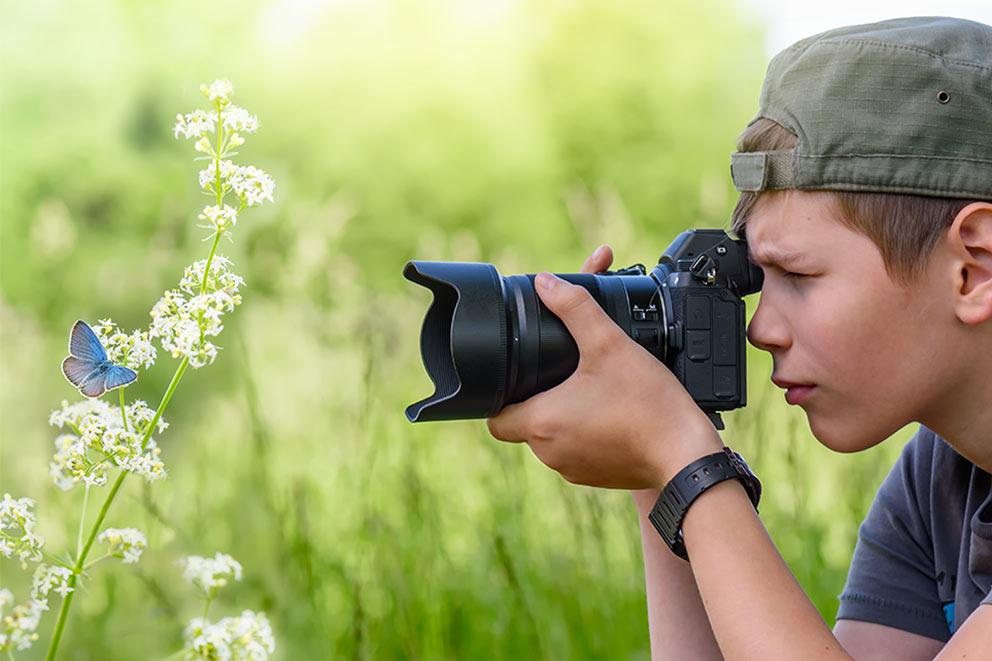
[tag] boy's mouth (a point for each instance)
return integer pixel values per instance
(798, 394)
(795, 393)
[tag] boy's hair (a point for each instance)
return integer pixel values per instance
(905, 228)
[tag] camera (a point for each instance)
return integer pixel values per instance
(487, 340)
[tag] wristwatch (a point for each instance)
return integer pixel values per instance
(670, 508)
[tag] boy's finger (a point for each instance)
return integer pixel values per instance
(587, 322)
(598, 260)
(511, 423)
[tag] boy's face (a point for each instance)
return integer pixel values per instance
(866, 343)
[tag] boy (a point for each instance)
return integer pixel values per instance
(866, 197)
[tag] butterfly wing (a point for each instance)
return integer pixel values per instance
(95, 384)
(83, 343)
(77, 370)
(118, 376)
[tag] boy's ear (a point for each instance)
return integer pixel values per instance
(970, 241)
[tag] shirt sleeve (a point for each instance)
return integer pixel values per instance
(891, 578)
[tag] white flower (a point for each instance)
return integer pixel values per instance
(99, 441)
(252, 185)
(195, 124)
(135, 351)
(17, 536)
(219, 279)
(182, 324)
(209, 574)
(203, 144)
(246, 636)
(71, 464)
(17, 630)
(208, 176)
(48, 578)
(71, 414)
(139, 416)
(220, 218)
(219, 90)
(126, 543)
(237, 120)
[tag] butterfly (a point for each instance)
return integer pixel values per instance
(87, 366)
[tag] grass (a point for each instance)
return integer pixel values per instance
(366, 537)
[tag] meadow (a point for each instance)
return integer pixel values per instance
(518, 133)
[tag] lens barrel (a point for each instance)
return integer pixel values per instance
(487, 340)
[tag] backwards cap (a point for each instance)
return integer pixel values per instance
(899, 106)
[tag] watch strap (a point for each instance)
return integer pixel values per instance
(673, 503)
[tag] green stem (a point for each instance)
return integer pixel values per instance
(81, 557)
(123, 412)
(93, 562)
(206, 269)
(206, 607)
(220, 146)
(82, 519)
(219, 190)
(203, 285)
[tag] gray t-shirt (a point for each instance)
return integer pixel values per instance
(923, 559)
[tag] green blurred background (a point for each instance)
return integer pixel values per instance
(518, 133)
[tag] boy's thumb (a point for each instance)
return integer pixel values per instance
(574, 305)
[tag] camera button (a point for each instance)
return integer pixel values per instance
(698, 345)
(725, 382)
(697, 310)
(647, 337)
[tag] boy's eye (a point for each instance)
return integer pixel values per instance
(790, 274)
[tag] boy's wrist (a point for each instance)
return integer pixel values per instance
(694, 446)
(644, 499)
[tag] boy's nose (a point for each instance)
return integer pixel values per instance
(766, 333)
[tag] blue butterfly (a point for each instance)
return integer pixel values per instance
(87, 366)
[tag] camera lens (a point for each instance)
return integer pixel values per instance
(487, 340)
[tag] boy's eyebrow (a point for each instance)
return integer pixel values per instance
(776, 257)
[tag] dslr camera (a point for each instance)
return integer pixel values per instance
(487, 340)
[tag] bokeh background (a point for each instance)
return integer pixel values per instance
(519, 133)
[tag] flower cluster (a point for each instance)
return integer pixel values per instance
(17, 536)
(17, 630)
(218, 132)
(246, 636)
(219, 218)
(125, 543)
(100, 441)
(96, 436)
(252, 185)
(220, 91)
(200, 123)
(249, 183)
(194, 124)
(209, 175)
(209, 574)
(134, 351)
(49, 578)
(183, 318)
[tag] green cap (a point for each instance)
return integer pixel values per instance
(899, 106)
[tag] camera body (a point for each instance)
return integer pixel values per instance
(488, 340)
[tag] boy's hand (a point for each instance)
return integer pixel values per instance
(621, 420)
